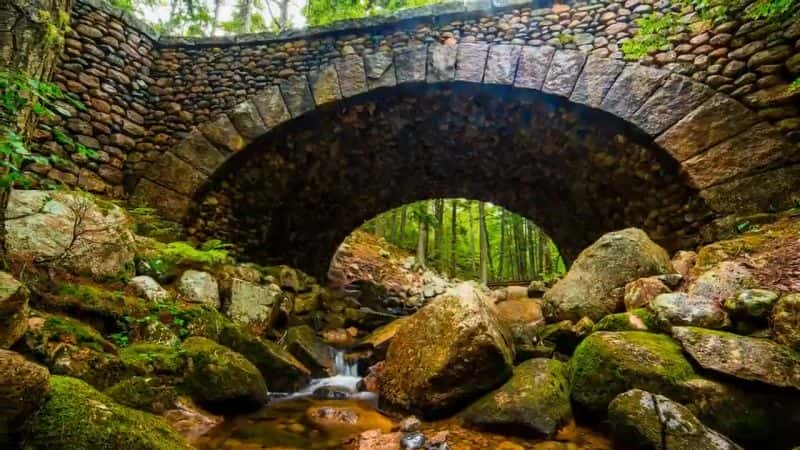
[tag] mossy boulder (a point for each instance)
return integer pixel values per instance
(534, 401)
(13, 310)
(76, 416)
(607, 364)
(751, 303)
(23, 389)
(221, 379)
(155, 359)
(722, 281)
(642, 420)
(154, 394)
(251, 304)
(203, 321)
(786, 321)
(70, 347)
(304, 344)
(640, 319)
(93, 303)
(282, 371)
(754, 418)
(595, 284)
(746, 358)
(449, 352)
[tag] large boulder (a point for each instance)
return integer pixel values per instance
(595, 284)
(519, 311)
(754, 418)
(78, 417)
(304, 344)
(747, 358)
(13, 310)
(607, 364)
(642, 420)
(72, 230)
(535, 400)
(679, 308)
(282, 371)
(786, 321)
(221, 379)
(251, 304)
(450, 351)
(23, 389)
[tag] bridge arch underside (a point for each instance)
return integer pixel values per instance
(295, 193)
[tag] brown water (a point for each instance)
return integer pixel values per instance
(286, 424)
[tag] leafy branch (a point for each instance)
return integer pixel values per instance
(46, 101)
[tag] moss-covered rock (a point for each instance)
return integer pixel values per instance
(751, 303)
(155, 359)
(642, 420)
(534, 401)
(203, 321)
(302, 342)
(786, 321)
(451, 351)
(76, 416)
(282, 371)
(221, 379)
(594, 286)
(755, 418)
(154, 394)
(607, 364)
(23, 389)
(93, 302)
(13, 310)
(639, 319)
(70, 347)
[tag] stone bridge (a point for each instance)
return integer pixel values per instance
(284, 144)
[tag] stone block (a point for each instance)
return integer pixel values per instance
(534, 63)
(271, 106)
(410, 64)
(297, 95)
(325, 85)
(631, 89)
(221, 132)
(247, 120)
(564, 70)
(501, 66)
(676, 98)
(379, 69)
(352, 75)
(196, 150)
(441, 62)
(596, 78)
(471, 61)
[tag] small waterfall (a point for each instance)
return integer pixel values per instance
(342, 367)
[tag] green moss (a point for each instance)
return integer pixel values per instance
(283, 372)
(76, 416)
(64, 329)
(154, 359)
(222, 379)
(606, 364)
(639, 319)
(203, 321)
(93, 301)
(154, 394)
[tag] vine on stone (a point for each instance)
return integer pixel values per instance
(19, 92)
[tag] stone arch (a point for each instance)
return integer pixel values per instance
(722, 148)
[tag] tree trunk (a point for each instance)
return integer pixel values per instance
(483, 247)
(247, 15)
(438, 236)
(422, 241)
(453, 230)
(472, 257)
(215, 23)
(502, 251)
(402, 232)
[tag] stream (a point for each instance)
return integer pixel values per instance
(330, 413)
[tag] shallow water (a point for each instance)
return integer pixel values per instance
(285, 424)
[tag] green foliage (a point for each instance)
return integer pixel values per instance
(795, 85)
(19, 93)
(211, 253)
(321, 12)
(652, 35)
(565, 39)
(523, 244)
(121, 339)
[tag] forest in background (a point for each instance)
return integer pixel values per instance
(469, 239)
